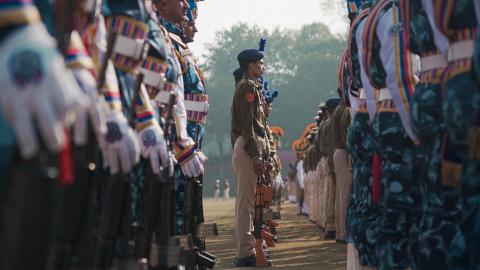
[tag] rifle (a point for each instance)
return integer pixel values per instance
(153, 245)
(114, 206)
(194, 226)
(72, 213)
(116, 201)
(258, 222)
(270, 223)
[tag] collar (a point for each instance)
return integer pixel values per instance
(171, 26)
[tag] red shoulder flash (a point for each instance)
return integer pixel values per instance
(250, 97)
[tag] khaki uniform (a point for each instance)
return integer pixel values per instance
(309, 182)
(343, 176)
(330, 177)
(322, 175)
(313, 184)
(249, 141)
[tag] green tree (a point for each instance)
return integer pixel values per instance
(301, 64)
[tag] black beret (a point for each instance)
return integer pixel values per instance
(332, 103)
(250, 55)
(238, 73)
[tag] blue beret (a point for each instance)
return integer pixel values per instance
(250, 55)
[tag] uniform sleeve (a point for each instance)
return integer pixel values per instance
(441, 41)
(399, 65)
(336, 127)
(318, 147)
(180, 111)
(95, 39)
(271, 142)
(248, 100)
(144, 113)
(370, 92)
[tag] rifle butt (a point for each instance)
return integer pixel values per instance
(260, 258)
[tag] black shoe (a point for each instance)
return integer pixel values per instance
(330, 235)
(249, 261)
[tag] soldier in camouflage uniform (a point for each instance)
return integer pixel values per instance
(392, 73)
(457, 21)
(439, 203)
(189, 129)
(362, 147)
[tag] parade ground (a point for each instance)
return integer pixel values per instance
(300, 246)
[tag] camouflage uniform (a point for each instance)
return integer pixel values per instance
(440, 204)
(361, 146)
(461, 98)
(398, 186)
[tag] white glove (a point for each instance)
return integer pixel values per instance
(193, 167)
(154, 147)
(172, 161)
(119, 146)
(36, 87)
(94, 112)
(202, 157)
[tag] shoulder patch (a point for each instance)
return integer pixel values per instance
(250, 97)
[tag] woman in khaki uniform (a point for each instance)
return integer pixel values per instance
(249, 140)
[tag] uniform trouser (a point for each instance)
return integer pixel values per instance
(27, 214)
(460, 102)
(342, 190)
(362, 212)
(323, 191)
(306, 201)
(180, 182)
(314, 196)
(440, 204)
(308, 196)
(292, 191)
(318, 181)
(399, 192)
(330, 200)
(353, 262)
(226, 194)
(246, 181)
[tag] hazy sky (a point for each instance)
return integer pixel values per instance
(215, 15)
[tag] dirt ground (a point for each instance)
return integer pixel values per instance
(301, 244)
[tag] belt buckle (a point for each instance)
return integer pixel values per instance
(450, 53)
(207, 108)
(137, 53)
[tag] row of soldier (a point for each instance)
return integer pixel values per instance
(410, 77)
(103, 114)
(322, 174)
